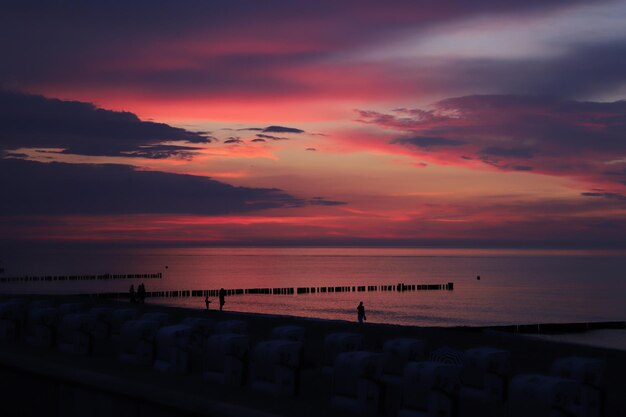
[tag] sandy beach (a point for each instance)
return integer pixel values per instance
(528, 355)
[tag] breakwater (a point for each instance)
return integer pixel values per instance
(400, 287)
(556, 328)
(101, 277)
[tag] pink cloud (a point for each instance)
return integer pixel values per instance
(583, 140)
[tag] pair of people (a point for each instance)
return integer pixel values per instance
(139, 296)
(222, 298)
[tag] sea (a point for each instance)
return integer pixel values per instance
(515, 286)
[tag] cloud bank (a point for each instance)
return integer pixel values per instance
(30, 121)
(542, 134)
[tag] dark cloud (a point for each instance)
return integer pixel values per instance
(311, 149)
(510, 152)
(613, 196)
(29, 121)
(233, 140)
(583, 70)
(273, 129)
(258, 140)
(426, 142)
(95, 43)
(321, 201)
(561, 137)
(282, 129)
(33, 188)
(262, 136)
(164, 152)
(13, 155)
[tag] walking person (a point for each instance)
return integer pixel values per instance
(132, 294)
(222, 296)
(207, 302)
(361, 312)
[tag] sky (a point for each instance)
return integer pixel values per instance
(405, 122)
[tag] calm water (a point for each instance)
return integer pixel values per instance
(515, 287)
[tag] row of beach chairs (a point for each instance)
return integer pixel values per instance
(403, 380)
(218, 350)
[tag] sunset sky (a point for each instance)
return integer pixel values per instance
(327, 122)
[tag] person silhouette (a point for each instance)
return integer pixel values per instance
(361, 312)
(132, 293)
(222, 296)
(141, 293)
(207, 301)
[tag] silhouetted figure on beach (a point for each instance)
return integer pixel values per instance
(222, 296)
(361, 312)
(132, 294)
(207, 301)
(141, 293)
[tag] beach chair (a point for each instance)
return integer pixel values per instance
(275, 367)
(12, 319)
(119, 316)
(163, 319)
(41, 304)
(589, 373)
(396, 354)
(70, 308)
(101, 330)
(225, 359)
(336, 343)
(172, 348)
(74, 335)
(137, 341)
(202, 328)
(289, 332)
(231, 326)
(356, 382)
(447, 354)
(484, 382)
(9, 327)
(541, 396)
(41, 328)
(430, 388)
(102, 319)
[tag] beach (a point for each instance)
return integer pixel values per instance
(190, 395)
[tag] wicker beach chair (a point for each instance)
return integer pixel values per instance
(430, 389)
(225, 359)
(356, 382)
(173, 348)
(137, 342)
(541, 396)
(484, 382)
(337, 343)
(275, 367)
(74, 334)
(590, 374)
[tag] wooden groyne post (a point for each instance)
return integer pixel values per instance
(101, 277)
(400, 287)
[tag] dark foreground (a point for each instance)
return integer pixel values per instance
(100, 376)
